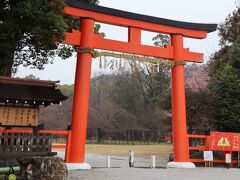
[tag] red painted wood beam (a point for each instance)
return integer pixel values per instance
(192, 56)
(214, 161)
(203, 148)
(58, 146)
(62, 132)
(133, 46)
(125, 22)
(72, 38)
(179, 122)
(198, 136)
(134, 35)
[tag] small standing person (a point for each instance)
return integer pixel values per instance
(131, 158)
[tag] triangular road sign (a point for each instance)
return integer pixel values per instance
(223, 142)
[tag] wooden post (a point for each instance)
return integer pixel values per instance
(81, 95)
(179, 123)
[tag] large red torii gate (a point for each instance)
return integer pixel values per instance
(85, 38)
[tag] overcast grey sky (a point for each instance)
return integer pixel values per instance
(201, 11)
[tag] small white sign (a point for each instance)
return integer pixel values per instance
(228, 158)
(208, 155)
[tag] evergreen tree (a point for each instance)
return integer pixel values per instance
(29, 30)
(225, 75)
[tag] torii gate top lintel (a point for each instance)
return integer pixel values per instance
(135, 23)
(73, 4)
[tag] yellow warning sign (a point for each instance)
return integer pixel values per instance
(223, 142)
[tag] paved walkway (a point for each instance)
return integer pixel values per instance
(156, 174)
(120, 171)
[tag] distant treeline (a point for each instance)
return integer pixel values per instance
(135, 102)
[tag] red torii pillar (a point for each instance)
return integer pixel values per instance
(179, 123)
(76, 151)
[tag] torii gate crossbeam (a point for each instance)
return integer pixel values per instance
(85, 38)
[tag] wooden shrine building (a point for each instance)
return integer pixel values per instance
(20, 100)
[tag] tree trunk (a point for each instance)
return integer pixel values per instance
(6, 63)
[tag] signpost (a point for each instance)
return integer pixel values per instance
(208, 158)
(227, 142)
(238, 158)
(228, 159)
(221, 141)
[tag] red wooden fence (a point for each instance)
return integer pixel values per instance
(208, 142)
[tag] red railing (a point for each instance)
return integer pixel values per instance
(67, 137)
(197, 147)
(206, 142)
(205, 147)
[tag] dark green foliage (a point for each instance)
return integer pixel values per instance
(91, 1)
(161, 40)
(67, 90)
(229, 31)
(154, 86)
(218, 60)
(225, 75)
(116, 104)
(129, 97)
(29, 30)
(31, 76)
(199, 107)
(225, 86)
